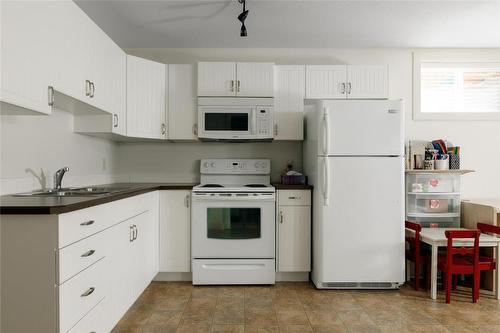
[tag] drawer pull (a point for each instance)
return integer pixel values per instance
(88, 253)
(292, 198)
(87, 223)
(88, 292)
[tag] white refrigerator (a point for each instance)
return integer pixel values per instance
(354, 156)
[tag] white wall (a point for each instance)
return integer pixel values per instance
(45, 144)
(179, 162)
(480, 140)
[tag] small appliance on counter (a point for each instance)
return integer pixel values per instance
(292, 177)
(233, 228)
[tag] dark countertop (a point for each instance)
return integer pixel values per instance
(11, 204)
(292, 187)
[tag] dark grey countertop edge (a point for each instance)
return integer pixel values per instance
(88, 202)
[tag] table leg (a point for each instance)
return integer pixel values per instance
(497, 275)
(434, 269)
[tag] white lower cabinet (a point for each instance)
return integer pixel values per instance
(78, 271)
(175, 231)
(293, 224)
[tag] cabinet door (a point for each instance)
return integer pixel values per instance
(326, 81)
(181, 102)
(146, 98)
(289, 93)
(121, 270)
(254, 79)
(175, 231)
(107, 72)
(216, 79)
(294, 238)
(144, 251)
(367, 82)
(26, 37)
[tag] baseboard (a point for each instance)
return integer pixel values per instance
(292, 276)
(187, 276)
(173, 276)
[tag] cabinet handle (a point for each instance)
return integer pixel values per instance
(238, 86)
(136, 232)
(88, 254)
(342, 88)
(87, 88)
(92, 89)
(163, 129)
(90, 222)
(349, 88)
(276, 129)
(88, 292)
(50, 92)
(232, 85)
(115, 120)
(195, 129)
(293, 198)
(131, 234)
(186, 200)
(281, 217)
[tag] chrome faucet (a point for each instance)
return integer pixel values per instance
(58, 176)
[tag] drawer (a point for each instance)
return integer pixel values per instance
(80, 294)
(82, 223)
(294, 197)
(74, 258)
(94, 321)
(233, 271)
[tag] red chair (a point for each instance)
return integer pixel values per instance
(414, 252)
(461, 260)
(487, 263)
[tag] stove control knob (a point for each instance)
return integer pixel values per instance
(212, 165)
(206, 164)
(257, 165)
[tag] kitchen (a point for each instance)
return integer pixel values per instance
(161, 153)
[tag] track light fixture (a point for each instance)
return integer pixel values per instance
(242, 17)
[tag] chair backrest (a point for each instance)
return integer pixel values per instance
(488, 228)
(414, 241)
(472, 252)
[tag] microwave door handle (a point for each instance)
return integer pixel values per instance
(254, 121)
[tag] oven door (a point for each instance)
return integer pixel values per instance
(232, 228)
(226, 122)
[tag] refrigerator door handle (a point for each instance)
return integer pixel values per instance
(326, 182)
(326, 131)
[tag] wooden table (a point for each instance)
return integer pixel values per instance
(435, 237)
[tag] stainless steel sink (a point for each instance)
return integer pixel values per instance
(73, 192)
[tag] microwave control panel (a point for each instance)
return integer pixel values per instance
(264, 121)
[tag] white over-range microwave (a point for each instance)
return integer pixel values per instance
(235, 119)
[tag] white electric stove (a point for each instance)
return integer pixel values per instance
(233, 229)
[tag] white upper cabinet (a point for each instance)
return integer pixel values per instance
(182, 111)
(226, 79)
(107, 72)
(254, 79)
(26, 69)
(346, 81)
(366, 82)
(216, 79)
(146, 98)
(289, 92)
(327, 81)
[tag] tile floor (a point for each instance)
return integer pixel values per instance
(298, 307)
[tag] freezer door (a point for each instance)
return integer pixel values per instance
(362, 226)
(361, 127)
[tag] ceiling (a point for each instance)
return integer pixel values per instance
(298, 24)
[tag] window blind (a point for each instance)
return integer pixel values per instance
(460, 87)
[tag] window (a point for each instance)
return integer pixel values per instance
(452, 88)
